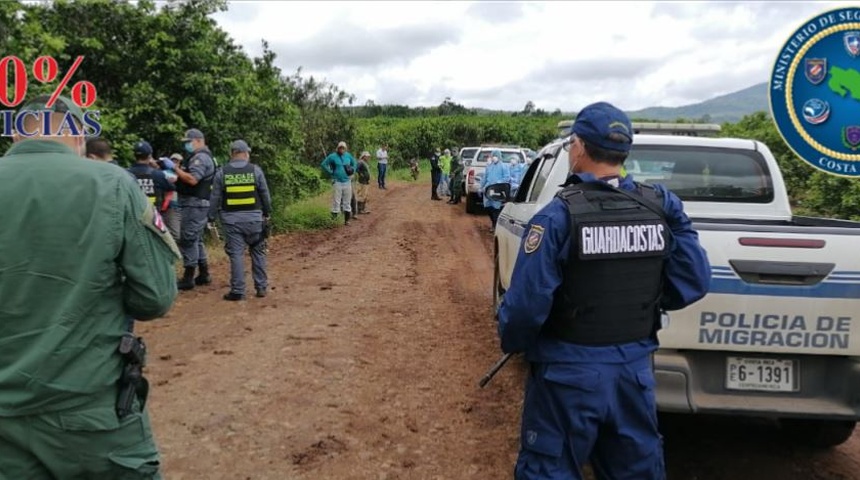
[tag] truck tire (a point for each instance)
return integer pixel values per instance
(818, 433)
(471, 203)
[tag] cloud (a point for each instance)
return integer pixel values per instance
(496, 12)
(358, 46)
(595, 69)
(243, 12)
(395, 92)
(502, 54)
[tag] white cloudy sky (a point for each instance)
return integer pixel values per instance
(500, 55)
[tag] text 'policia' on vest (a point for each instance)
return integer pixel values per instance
(613, 276)
(203, 188)
(240, 189)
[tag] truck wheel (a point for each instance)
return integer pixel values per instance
(471, 203)
(818, 433)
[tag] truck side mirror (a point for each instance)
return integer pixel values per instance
(500, 192)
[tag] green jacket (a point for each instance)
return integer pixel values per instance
(82, 249)
(445, 164)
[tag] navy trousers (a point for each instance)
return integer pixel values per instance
(605, 414)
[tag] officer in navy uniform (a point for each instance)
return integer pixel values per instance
(598, 265)
(152, 181)
(241, 195)
(194, 186)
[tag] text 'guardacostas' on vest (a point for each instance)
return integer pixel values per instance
(621, 239)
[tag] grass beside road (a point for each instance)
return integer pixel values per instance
(310, 214)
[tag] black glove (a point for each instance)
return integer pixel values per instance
(266, 228)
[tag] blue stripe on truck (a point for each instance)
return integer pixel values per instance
(736, 286)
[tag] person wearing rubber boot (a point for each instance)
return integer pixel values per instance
(241, 195)
(340, 167)
(194, 186)
(362, 183)
(586, 310)
(456, 180)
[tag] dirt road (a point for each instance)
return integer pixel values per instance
(363, 363)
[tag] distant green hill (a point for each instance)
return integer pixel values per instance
(725, 108)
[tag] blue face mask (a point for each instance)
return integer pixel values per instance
(188, 147)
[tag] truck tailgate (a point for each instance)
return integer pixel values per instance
(774, 290)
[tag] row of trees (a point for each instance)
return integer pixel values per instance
(162, 69)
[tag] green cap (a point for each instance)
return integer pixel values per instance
(61, 105)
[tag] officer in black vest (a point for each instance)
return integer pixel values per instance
(598, 266)
(152, 181)
(194, 186)
(241, 195)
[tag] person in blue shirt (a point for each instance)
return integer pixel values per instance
(496, 172)
(340, 167)
(518, 170)
(599, 264)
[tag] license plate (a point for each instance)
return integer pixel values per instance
(761, 374)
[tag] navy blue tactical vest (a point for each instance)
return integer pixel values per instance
(613, 277)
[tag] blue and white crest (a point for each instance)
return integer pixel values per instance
(816, 111)
(815, 70)
(852, 43)
(814, 92)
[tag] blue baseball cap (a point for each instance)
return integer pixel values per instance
(192, 134)
(597, 121)
(240, 146)
(142, 148)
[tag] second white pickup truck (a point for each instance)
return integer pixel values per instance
(776, 336)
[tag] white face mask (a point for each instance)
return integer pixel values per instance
(495, 159)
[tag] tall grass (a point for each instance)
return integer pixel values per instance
(310, 214)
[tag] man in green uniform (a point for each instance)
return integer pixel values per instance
(82, 248)
(456, 179)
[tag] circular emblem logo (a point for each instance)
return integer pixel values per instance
(815, 92)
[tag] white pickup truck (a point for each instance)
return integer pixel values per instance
(776, 335)
(474, 170)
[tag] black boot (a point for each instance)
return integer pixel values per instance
(346, 218)
(203, 278)
(334, 216)
(187, 281)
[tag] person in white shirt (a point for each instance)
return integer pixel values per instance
(382, 165)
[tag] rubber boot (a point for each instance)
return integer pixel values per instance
(187, 281)
(203, 278)
(346, 218)
(334, 216)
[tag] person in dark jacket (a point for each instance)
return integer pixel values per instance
(435, 173)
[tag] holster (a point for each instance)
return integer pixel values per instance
(131, 382)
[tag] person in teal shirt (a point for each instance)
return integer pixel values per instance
(340, 166)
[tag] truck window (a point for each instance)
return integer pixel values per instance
(468, 153)
(484, 156)
(541, 177)
(704, 174)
